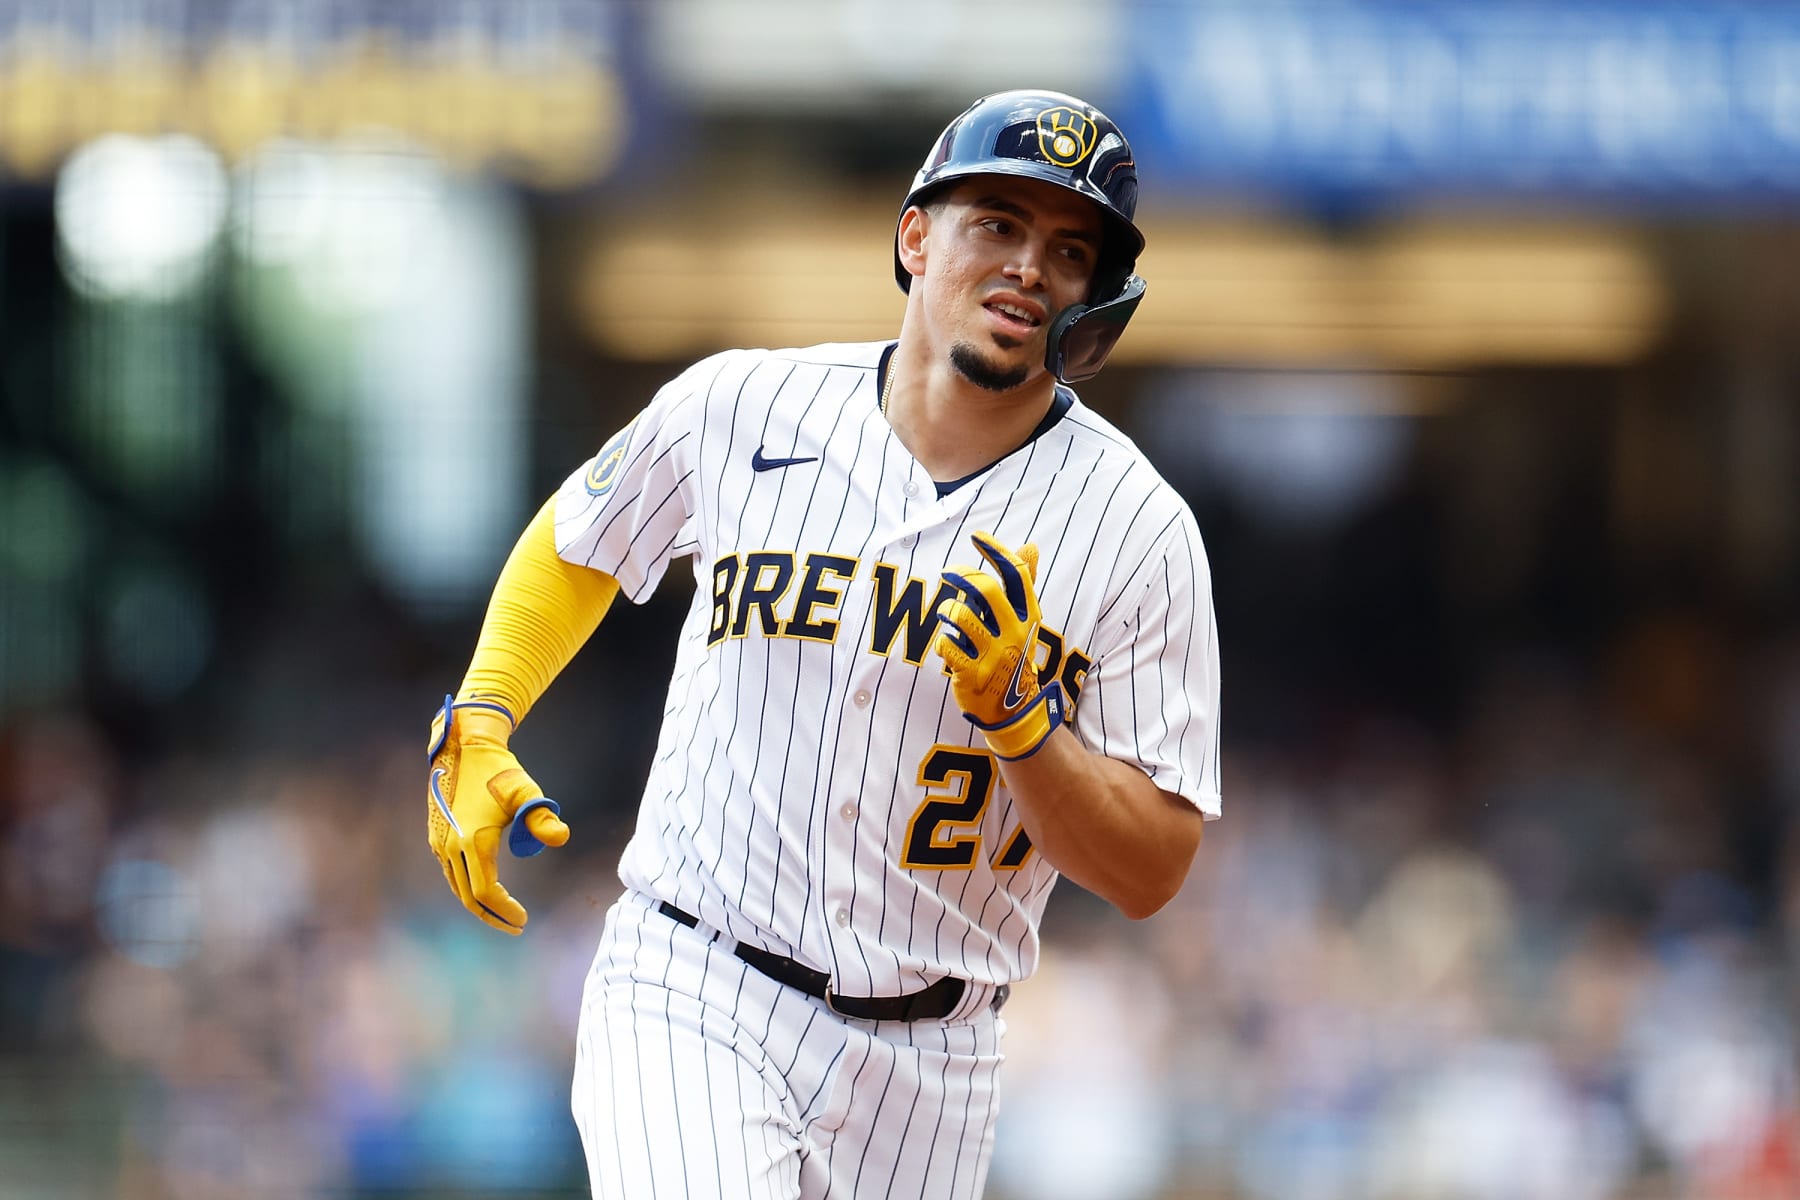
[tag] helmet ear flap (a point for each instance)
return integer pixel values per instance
(1083, 335)
(1116, 263)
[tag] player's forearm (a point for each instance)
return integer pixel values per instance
(542, 611)
(1104, 824)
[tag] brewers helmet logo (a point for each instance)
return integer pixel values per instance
(1065, 136)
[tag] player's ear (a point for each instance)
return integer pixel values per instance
(915, 224)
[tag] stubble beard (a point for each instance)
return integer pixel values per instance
(984, 374)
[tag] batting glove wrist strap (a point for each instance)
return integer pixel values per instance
(474, 724)
(1025, 732)
(476, 790)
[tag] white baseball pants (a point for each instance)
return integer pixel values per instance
(696, 1076)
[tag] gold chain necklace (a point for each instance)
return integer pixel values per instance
(887, 387)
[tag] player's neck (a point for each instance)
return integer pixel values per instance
(953, 427)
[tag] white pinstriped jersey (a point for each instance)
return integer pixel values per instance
(816, 790)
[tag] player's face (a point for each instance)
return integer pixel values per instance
(1005, 256)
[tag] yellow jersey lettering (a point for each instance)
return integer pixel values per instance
(906, 611)
(725, 574)
(767, 575)
(815, 593)
(1074, 674)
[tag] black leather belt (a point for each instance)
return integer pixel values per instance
(932, 1004)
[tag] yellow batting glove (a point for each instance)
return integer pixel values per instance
(987, 638)
(476, 789)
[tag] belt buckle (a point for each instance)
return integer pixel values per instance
(831, 1001)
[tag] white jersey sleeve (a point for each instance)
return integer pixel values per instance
(631, 508)
(1152, 695)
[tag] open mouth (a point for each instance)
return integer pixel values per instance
(1017, 317)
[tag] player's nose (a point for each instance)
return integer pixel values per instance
(1027, 265)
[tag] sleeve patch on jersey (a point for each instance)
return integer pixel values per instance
(609, 462)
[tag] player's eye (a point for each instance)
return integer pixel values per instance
(996, 225)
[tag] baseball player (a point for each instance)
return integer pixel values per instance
(951, 637)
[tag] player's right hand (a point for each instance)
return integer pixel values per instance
(475, 789)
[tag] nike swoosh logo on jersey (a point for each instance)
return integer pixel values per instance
(759, 463)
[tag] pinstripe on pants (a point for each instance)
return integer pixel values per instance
(697, 1076)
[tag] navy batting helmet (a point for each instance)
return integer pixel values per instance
(1070, 143)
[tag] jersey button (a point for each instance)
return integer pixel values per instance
(848, 811)
(910, 540)
(843, 916)
(861, 699)
(911, 489)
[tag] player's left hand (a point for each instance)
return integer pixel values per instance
(477, 788)
(987, 638)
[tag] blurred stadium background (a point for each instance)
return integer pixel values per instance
(1471, 337)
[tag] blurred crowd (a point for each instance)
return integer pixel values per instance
(246, 979)
(1545, 955)
(1548, 958)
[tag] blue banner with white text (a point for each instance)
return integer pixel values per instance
(1688, 103)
